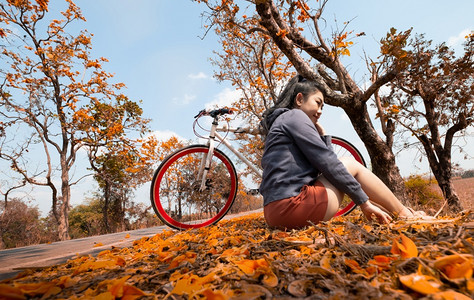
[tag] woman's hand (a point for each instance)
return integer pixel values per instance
(370, 211)
(320, 129)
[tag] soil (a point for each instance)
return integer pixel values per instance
(465, 190)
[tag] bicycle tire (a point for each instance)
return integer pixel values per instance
(344, 148)
(175, 187)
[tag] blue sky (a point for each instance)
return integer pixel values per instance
(155, 48)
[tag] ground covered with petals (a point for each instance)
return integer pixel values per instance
(346, 258)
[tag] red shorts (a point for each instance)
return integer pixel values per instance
(295, 212)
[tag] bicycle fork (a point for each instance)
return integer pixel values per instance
(207, 159)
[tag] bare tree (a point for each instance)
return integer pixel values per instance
(433, 99)
(47, 81)
(283, 23)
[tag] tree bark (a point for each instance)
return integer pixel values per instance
(441, 166)
(63, 226)
(105, 212)
(439, 155)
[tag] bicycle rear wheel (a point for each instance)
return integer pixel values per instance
(175, 189)
(345, 149)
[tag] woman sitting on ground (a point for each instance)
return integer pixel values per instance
(303, 180)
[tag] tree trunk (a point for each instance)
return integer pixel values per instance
(450, 195)
(439, 154)
(105, 210)
(63, 222)
(441, 166)
(63, 225)
(443, 174)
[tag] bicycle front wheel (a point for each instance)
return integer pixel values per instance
(345, 149)
(176, 194)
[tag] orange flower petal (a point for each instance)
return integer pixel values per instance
(404, 246)
(10, 292)
(421, 283)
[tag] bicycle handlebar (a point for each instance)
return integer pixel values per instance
(215, 112)
(220, 112)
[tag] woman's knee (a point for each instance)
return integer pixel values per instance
(334, 198)
(352, 165)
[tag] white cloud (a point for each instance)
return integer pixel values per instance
(225, 98)
(185, 100)
(457, 41)
(199, 75)
(166, 135)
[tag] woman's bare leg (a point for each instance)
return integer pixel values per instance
(377, 191)
(334, 198)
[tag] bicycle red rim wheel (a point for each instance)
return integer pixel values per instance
(165, 165)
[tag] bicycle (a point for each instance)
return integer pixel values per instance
(196, 186)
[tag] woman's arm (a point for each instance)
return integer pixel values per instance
(307, 138)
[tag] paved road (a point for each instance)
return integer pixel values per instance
(12, 261)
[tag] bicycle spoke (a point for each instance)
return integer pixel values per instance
(177, 195)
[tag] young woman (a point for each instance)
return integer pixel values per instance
(303, 180)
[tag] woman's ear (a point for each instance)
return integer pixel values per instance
(299, 99)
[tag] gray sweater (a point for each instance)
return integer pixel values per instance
(295, 155)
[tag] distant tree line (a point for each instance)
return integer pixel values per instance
(21, 223)
(467, 174)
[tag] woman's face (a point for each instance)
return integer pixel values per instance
(312, 105)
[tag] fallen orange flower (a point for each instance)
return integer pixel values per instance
(456, 265)
(40, 288)
(258, 267)
(404, 246)
(10, 292)
(423, 284)
(189, 284)
(450, 295)
(187, 257)
(355, 267)
(119, 288)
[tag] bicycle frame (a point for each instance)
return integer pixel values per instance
(214, 133)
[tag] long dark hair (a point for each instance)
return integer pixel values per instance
(297, 84)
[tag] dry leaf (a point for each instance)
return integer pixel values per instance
(456, 265)
(423, 284)
(10, 292)
(251, 291)
(404, 246)
(189, 284)
(255, 268)
(449, 295)
(298, 288)
(36, 289)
